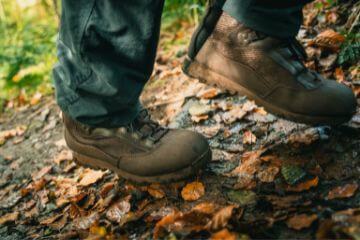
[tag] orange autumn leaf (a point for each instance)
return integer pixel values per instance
(304, 185)
(208, 93)
(221, 218)
(11, 217)
(329, 39)
(339, 75)
(65, 155)
(301, 221)
(155, 191)
(193, 191)
(90, 176)
(223, 235)
(343, 191)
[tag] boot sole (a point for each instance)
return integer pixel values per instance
(97, 164)
(194, 69)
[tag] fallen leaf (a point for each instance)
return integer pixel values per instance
(86, 222)
(155, 191)
(205, 207)
(11, 217)
(329, 39)
(199, 118)
(248, 167)
(223, 235)
(52, 219)
(199, 109)
(90, 176)
(249, 138)
(292, 173)
(221, 218)
(37, 175)
(227, 133)
(249, 106)
(304, 186)
(64, 155)
(339, 75)
(301, 221)
(343, 191)
(98, 230)
(208, 93)
(193, 191)
(261, 111)
(118, 210)
(268, 175)
(36, 99)
(242, 197)
(106, 189)
(233, 115)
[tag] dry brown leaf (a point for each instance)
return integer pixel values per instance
(304, 186)
(208, 93)
(64, 155)
(206, 208)
(50, 220)
(199, 118)
(85, 223)
(329, 39)
(343, 191)
(227, 133)
(32, 212)
(37, 175)
(249, 106)
(118, 210)
(233, 115)
(248, 167)
(193, 191)
(155, 191)
(106, 189)
(268, 175)
(339, 75)
(249, 138)
(90, 176)
(261, 111)
(11, 217)
(221, 218)
(301, 221)
(223, 235)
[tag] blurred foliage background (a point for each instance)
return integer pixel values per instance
(28, 30)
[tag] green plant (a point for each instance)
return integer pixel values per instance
(350, 50)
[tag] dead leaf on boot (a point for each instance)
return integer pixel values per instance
(343, 191)
(11, 217)
(193, 191)
(301, 221)
(90, 176)
(223, 235)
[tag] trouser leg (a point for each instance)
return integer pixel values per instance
(106, 52)
(277, 18)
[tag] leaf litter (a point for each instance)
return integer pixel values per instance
(267, 175)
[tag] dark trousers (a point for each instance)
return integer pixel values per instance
(107, 48)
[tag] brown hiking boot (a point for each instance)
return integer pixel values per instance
(142, 151)
(225, 53)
